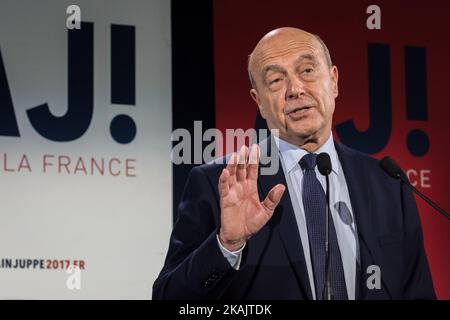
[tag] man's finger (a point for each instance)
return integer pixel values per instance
(232, 164)
(232, 167)
(253, 163)
(274, 197)
(241, 172)
(224, 187)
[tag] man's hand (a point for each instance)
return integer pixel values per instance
(242, 212)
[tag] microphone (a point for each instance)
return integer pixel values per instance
(324, 165)
(391, 167)
(394, 170)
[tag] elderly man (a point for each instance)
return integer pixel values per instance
(229, 244)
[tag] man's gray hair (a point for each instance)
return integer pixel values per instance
(318, 38)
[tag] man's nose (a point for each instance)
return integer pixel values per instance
(295, 88)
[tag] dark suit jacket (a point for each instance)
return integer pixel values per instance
(273, 264)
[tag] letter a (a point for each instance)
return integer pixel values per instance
(374, 20)
(374, 280)
(74, 280)
(74, 20)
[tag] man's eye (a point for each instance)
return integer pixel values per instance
(275, 81)
(308, 70)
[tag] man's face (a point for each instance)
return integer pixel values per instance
(295, 87)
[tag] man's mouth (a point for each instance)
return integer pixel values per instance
(298, 111)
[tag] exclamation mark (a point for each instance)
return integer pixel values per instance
(416, 98)
(123, 80)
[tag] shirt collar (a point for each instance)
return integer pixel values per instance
(292, 154)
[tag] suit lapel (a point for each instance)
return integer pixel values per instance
(283, 220)
(358, 188)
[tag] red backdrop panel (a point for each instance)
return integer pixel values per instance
(238, 25)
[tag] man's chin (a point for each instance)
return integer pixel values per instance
(304, 133)
(301, 137)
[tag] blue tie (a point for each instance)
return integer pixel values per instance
(314, 203)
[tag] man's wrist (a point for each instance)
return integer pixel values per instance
(231, 245)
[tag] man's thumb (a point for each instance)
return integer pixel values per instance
(274, 196)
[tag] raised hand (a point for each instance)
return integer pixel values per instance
(242, 212)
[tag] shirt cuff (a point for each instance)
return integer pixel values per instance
(233, 257)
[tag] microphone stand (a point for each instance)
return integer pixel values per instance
(403, 178)
(327, 291)
(393, 169)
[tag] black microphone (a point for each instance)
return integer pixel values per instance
(394, 170)
(324, 165)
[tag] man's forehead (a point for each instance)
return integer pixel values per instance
(297, 54)
(276, 47)
(299, 46)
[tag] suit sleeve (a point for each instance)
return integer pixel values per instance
(418, 282)
(195, 267)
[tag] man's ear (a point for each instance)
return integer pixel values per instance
(334, 78)
(255, 96)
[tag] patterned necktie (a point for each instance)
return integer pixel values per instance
(314, 203)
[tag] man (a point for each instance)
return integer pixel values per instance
(227, 244)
